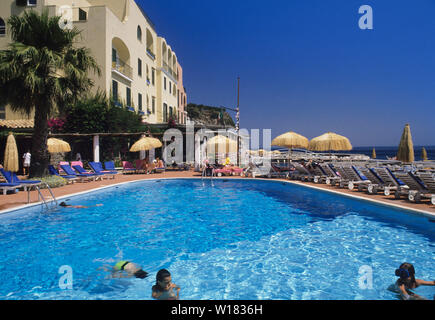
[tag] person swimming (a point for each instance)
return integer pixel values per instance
(65, 205)
(164, 288)
(407, 282)
(127, 269)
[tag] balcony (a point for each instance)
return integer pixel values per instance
(170, 72)
(123, 68)
(151, 54)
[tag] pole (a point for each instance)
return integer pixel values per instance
(238, 121)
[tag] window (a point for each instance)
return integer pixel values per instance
(174, 90)
(139, 67)
(165, 112)
(170, 112)
(23, 3)
(139, 101)
(115, 90)
(83, 16)
(139, 33)
(128, 97)
(2, 112)
(114, 56)
(153, 76)
(170, 87)
(164, 83)
(153, 104)
(2, 27)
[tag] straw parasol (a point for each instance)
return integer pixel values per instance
(406, 147)
(11, 154)
(222, 143)
(146, 143)
(290, 140)
(330, 142)
(424, 154)
(374, 154)
(57, 146)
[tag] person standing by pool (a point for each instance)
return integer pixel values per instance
(164, 288)
(407, 281)
(26, 162)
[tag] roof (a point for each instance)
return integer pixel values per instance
(17, 124)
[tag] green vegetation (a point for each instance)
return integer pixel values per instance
(207, 115)
(43, 70)
(52, 181)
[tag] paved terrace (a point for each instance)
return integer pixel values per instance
(19, 199)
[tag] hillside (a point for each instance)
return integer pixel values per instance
(207, 115)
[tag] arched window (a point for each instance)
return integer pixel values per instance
(2, 27)
(139, 33)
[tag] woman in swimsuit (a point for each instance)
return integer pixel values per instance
(164, 288)
(407, 281)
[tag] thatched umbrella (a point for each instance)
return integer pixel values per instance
(406, 147)
(11, 154)
(374, 154)
(221, 144)
(57, 146)
(145, 143)
(290, 140)
(424, 154)
(330, 142)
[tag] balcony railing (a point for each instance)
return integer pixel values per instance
(170, 71)
(123, 68)
(151, 54)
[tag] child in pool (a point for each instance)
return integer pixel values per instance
(164, 288)
(407, 281)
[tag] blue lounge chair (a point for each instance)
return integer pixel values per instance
(80, 170)
(69, 171)
(416, 187)
(5, 187)
(54, 172)
(11, 177)
(110, 166)
(97, 167)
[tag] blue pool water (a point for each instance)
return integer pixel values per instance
(226, 239)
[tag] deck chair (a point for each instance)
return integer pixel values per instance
(258, 171)
(140, 166)
(69, 179)
(391, 182)
(97, 167)
(376, 183)
(82, 177)
(127, 167)
(428, 179)
(358, 178)
(301, 173)
(5, 187)
(331, 174)
(416, 187)
(79, 169)
(12, 178)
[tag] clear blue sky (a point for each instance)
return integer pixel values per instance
(305, 65)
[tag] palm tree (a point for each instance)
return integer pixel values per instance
(43, 70)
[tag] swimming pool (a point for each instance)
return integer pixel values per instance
(221, 239)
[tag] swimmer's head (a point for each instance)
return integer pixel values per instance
(63, 204)
(406, 274)
(135, 270)
(163, 279)
(141, 274)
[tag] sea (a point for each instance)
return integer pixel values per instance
(383, 153)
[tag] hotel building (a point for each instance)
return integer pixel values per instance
(138, 66)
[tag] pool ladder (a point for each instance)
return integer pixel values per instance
(41, 196)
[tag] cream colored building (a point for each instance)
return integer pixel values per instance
(138, 66)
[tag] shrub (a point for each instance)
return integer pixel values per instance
(52, 181)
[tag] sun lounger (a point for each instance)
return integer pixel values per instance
(54, 172)
(391, 182)
(301, 173)
(127, 168)
(358, 178)
(5, 187)
(223, 171)
(82, 177)
(110, 166)
(331, 173)
(141, 166)
(428, 179)
(79, 169)
(417, 188)
(376, 183)
(11, 177)
(258, 171)
(97, 167)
